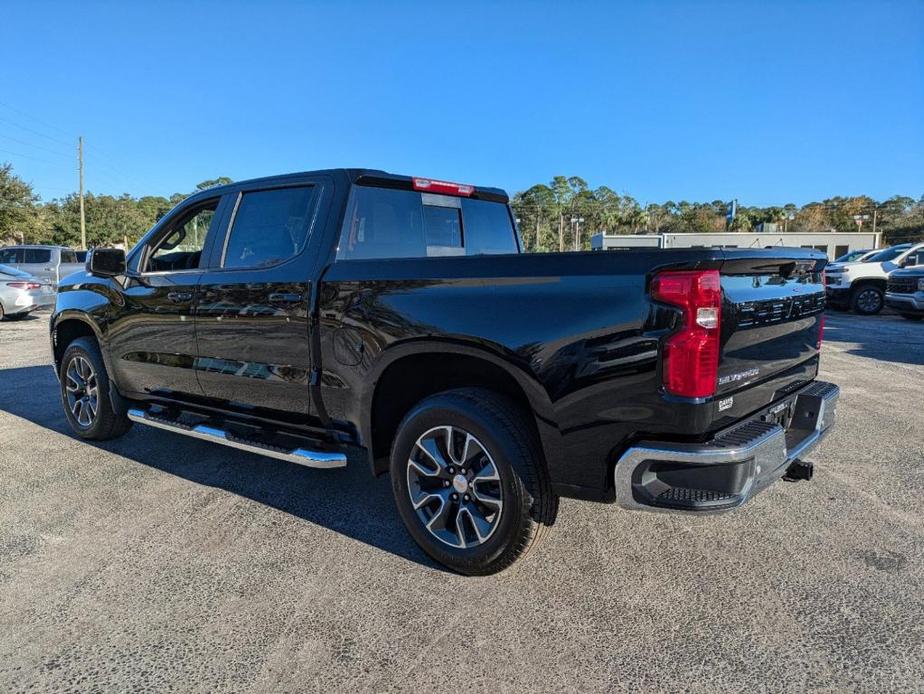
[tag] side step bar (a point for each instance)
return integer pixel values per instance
(300, 456)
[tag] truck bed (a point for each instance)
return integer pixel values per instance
(583, 337)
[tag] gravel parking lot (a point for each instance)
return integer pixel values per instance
(158, 562)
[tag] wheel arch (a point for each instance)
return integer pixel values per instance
(66, 327)
(405, 375)
(864, 281)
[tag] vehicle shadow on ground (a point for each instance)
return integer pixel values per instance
(349, 501)
(23, 319)
(883, 338)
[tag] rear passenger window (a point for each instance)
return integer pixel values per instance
(68, 257)
(270, 226)
(10, 256)
(389, 223)
(38, 255)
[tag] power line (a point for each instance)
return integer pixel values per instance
(34, 117)
(28, 156)
(31, 144)
(114, 174)
(103, 159)
(107, 162)
(34, 132)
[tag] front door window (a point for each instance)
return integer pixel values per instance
(180, 248)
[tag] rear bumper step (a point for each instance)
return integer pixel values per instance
(215, 434)
(737, 464)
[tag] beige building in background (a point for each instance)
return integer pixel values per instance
(832, 243)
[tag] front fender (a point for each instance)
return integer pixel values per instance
(86, 301)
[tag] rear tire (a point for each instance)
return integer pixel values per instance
(84, 386)
(911, 316)
(470, 482)
(867, 299)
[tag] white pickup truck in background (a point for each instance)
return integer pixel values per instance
(50, 263)
(861, 286)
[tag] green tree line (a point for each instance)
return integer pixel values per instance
(562, 214)
(109, 219)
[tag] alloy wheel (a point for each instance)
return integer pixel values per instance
(454, 486)
(82, 390)
(869, 300)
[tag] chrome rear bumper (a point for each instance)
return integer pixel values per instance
(737, 464)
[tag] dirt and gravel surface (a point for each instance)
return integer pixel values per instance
(162, 563)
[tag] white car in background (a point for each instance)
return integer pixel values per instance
(861, 286)
(22, 293)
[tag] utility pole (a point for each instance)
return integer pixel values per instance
(561, 231)
(875, 213)
(83, 220)
(576, 229)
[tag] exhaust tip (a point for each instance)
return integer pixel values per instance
(799, 470)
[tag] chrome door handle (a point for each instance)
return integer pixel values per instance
(179, 297)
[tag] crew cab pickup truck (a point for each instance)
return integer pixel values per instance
(861, 286)
(308, 316)
(48, 263)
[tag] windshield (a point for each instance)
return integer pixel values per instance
(848, 257)
(887, 254)
(13, 272)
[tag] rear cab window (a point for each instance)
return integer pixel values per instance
(37, 255)
(392, 223)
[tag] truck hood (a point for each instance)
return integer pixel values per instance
(855, 270)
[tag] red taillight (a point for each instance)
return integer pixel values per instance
(821, 331)
(24, 285)
(690, 366)
(428, 185)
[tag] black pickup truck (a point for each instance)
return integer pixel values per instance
(306, 316)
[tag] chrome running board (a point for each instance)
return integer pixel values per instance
(299, 456)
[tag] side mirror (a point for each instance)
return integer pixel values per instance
(106, 262)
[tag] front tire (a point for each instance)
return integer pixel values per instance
(867, 300)
(85, 393)
(469, 480)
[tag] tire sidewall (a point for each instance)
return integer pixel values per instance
(80, 347)
(437, 411)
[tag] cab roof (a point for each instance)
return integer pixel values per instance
(369, 177)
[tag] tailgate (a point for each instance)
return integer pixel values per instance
(772, 310)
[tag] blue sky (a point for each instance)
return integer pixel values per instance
(765, 102)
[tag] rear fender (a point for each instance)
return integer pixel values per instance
(537, 397)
